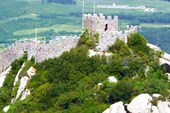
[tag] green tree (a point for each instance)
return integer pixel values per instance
(120, 47)
(122, 91)
(138, 43)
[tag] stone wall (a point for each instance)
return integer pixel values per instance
(40, 51)
(106, 27)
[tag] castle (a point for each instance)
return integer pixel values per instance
(99, 24)
(107, 28)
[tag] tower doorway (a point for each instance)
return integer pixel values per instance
(106, 27)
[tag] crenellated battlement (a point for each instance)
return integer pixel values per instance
(100, 24)
(40, 51)
(108, 29)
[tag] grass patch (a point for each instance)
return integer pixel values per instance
(56, 28)
(154, 25)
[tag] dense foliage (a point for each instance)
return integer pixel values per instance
(89, 39)
(69, 84)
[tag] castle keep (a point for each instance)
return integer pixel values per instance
(108, 29)
(100, 24)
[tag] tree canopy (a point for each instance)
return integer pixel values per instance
(69, 83)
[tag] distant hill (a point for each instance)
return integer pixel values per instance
(62, 1)
(167, 0)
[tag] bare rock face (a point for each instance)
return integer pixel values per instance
(25, 94)
(107, 110)
(31, 71)
(156, 95)
(164, 107)
(116, 108)
(6, 108)
(140, 104)
(3, 76)
(154, 109)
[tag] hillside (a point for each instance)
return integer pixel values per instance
(77, 82)
(19, 18)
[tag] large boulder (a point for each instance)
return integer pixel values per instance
(112, 79)
(140, 104)
(154, 109)
(116, 108)
(156, 95)
(163, 107)
(6, 108)
(107, 110)
(31, 71)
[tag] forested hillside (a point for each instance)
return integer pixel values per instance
(70, 83)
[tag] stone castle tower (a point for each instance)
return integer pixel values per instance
(107, 28)
(100, 24)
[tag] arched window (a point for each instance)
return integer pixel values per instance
(166, 67)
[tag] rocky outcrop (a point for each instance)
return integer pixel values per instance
(31, 71)
(17, 76)
(116, 108)
(6, 108)
(165, 58)
(25, 94)
(154, 109)
(156, 95)
(140, 104)
(156, 48)
(3, 76)
(22, 92)
(143, 103)
(23, 83)
(163, 107)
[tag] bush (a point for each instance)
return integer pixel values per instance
(138, 44)
(89, 39)
(122, 91)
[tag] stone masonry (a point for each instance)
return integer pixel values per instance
(107, 28)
